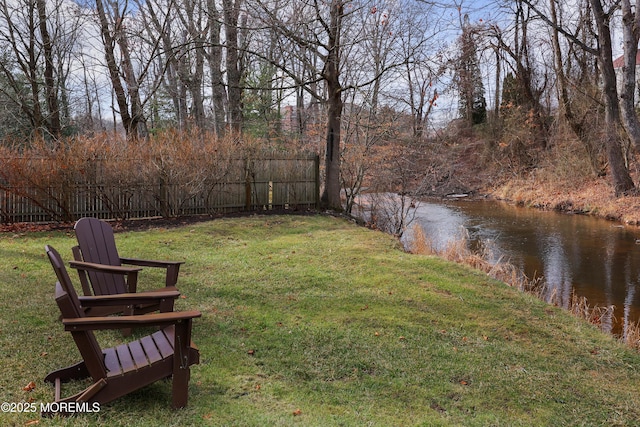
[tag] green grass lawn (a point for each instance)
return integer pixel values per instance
(314, 321)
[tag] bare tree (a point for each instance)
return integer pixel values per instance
(331, 75)
(30, 31)
(520, 59)
(613, 135)
(192, 16)
(214, 59)
(375, 119)
(576, 104)
(329, 38)
(49, 68)
(622, 181)
(631, 35)
(158, 19)
(124, 76)
(231, 14)
(194, 34)
(316, 28)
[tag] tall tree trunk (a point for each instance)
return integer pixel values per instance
(191, 59)
(622, 181)
(496, 97)
(331, 74)
(54, 127)
(37, 118)
(112, 66)
(218, 94)
(300, 112)
(138, 124)
(89, 100)
(63, 102)
(197, 98)
(525, 76)
(170, 80)
(231, 10)
(631, 35)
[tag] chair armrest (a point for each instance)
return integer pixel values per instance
(103, 268)
(150, 262)
(172, 267)
(120, 322)
(128, 298)
(86, 267)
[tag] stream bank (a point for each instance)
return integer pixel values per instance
(558, 185)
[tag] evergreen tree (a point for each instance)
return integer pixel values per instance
(472, 102)
(510, 92)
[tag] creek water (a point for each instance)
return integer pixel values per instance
(594, 258)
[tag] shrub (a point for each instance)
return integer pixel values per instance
(109, 175)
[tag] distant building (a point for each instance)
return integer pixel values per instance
(293, 118)
(618, 63)
(289, 118)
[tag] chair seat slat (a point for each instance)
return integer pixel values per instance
(151, 349)
(138, 354)
(124, 356)
(111, 362)
(163, 342)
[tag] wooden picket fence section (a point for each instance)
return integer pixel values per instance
(257, 184)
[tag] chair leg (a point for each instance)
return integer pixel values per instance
(128, 311)
(181, 371)
(180, 388)
(83, 396)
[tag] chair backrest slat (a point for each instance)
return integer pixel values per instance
(98, 245)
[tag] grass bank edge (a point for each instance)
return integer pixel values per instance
(318, 315)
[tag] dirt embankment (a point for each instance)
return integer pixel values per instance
(465, 168)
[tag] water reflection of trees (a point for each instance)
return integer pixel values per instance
(556, 269)
(576, 256)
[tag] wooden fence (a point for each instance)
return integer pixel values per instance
(256, 184)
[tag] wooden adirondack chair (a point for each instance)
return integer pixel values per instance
(120, 370)
(97, 246)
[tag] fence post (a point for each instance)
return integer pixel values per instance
(247, 185)
(163, 191)
(316, 165)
